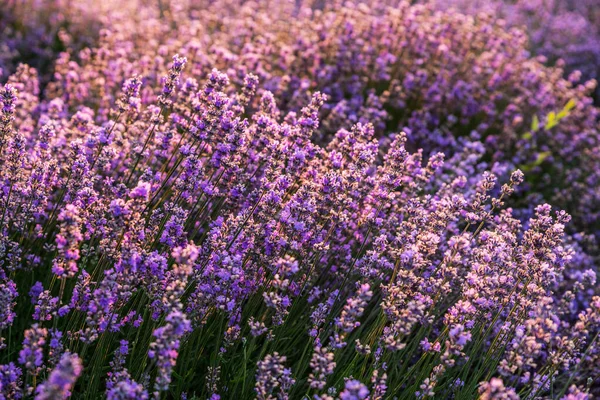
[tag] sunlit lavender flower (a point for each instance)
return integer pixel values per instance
(8, 97)
(127, 389)
(8, 295)
(164, 348)
(273, 380)
(322, 365)
(62, 378)
(10, 382)
(495, 389)
(353, 310)
(32, 354)
(130, 99)
(67, 242)
(171, 80)
(354, 390)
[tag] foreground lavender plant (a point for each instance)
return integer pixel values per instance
(61, 380)
(212, 225)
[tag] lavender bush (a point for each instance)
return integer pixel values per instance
(441, 77)
(279, 201)
(566, 32)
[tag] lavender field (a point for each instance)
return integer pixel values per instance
(312, 200)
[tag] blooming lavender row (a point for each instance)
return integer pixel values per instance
(263, 229)
(442, 77)
(563, 30)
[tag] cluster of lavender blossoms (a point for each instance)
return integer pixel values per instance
(566, 32)
(288, 200)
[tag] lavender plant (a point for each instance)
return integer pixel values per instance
(564, 31)
(210, 203)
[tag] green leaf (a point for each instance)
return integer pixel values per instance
(570, 105)
(562, 114)
(538, 161)
(535, 124)
(551, 122)
(565, 111)
(541, 157)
